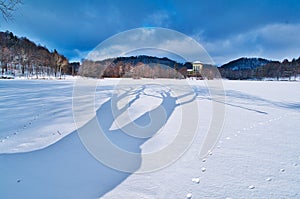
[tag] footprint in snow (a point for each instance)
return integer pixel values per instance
(196, 180)
(268, 179)
(203, 169)
(189, 196)
(251, 187)
(282, 170)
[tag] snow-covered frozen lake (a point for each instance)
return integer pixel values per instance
(256, 156)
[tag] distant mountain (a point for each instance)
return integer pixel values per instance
(245, 63)
(258, 68)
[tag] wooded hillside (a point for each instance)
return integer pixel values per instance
(20, 56)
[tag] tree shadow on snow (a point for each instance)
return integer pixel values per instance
(66, 170)
(246, 101)
(258, 101)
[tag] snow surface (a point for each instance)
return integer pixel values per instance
(257, 156)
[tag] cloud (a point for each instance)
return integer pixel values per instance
(158, 19)
(280, 34)
(160, 39)
(273, 41)
(245, 28)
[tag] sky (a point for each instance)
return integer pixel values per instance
(227, 29)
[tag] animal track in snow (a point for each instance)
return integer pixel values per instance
(237, 133)
(26, 125)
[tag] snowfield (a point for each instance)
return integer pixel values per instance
(256, 156)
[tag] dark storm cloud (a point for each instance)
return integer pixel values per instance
(227, 29)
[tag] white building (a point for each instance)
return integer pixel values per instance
(197, 66)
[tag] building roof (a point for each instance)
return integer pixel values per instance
(197, 62)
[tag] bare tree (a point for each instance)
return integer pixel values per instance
(7, 7)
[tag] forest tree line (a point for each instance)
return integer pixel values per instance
(132, 67)
(288, 70)
(22, 57)
(153, 67)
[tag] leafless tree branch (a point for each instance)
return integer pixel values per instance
(7, 7)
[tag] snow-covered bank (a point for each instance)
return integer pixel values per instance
(34, 114)
(257, 156)
(37, 113)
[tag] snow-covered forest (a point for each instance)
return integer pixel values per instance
(22, 57)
